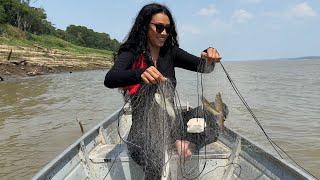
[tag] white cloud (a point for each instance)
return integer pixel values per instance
(210, 10)
(302, 10)
(242, 16)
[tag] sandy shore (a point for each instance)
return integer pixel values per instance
(25, 61)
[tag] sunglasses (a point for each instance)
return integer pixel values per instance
(160, 27)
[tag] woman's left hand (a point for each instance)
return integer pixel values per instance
(211, 55)
(184, 148)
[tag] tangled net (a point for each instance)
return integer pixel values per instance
(158, 120)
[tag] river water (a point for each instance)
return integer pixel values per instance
(38, 115)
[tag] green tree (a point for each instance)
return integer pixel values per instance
(36, 22)
(11, 10)
(3, 15)
(18, 13)
(83, 36)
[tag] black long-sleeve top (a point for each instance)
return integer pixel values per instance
(121, 74)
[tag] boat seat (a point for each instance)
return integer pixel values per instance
(109, 152)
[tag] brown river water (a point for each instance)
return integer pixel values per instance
(38, 114)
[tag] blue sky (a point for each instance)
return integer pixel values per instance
(239, 29)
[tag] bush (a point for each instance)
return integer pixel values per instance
(11, 31)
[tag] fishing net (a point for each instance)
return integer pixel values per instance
(159, 119)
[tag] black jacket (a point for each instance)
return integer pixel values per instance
(121, 75)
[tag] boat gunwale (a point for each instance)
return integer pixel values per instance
(46, 169)
(230, 136)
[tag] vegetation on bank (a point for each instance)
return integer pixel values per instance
(31, 45)
(15, 37)
(23, 25)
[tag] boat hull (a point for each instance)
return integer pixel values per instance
(100, 154)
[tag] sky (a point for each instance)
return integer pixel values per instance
(239, 29)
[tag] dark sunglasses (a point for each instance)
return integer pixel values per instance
(160, 27)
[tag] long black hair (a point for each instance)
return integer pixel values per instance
(136, 40)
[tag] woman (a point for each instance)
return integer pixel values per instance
(148, 58)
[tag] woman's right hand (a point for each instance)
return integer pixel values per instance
(152, 76)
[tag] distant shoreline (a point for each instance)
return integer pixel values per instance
(280, 59)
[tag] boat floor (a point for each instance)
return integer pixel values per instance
(212, 160)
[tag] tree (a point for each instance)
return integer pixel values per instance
(11, 10)
(83, 36)
(3, 15)
(18, 13)
(36, 22)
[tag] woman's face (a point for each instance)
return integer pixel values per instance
(159, 29)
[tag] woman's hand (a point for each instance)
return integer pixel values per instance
(152, 76)
(211, 55)
(184, 148)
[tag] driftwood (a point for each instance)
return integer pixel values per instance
(81, 126)
(39, 47)
(23, 62)
(9, 56)
(34, 73)
(46, 50)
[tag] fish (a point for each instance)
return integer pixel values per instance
(218, 109)
(165, 104)
(209, 107)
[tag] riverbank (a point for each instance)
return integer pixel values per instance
(20, 61)
(26, 54)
